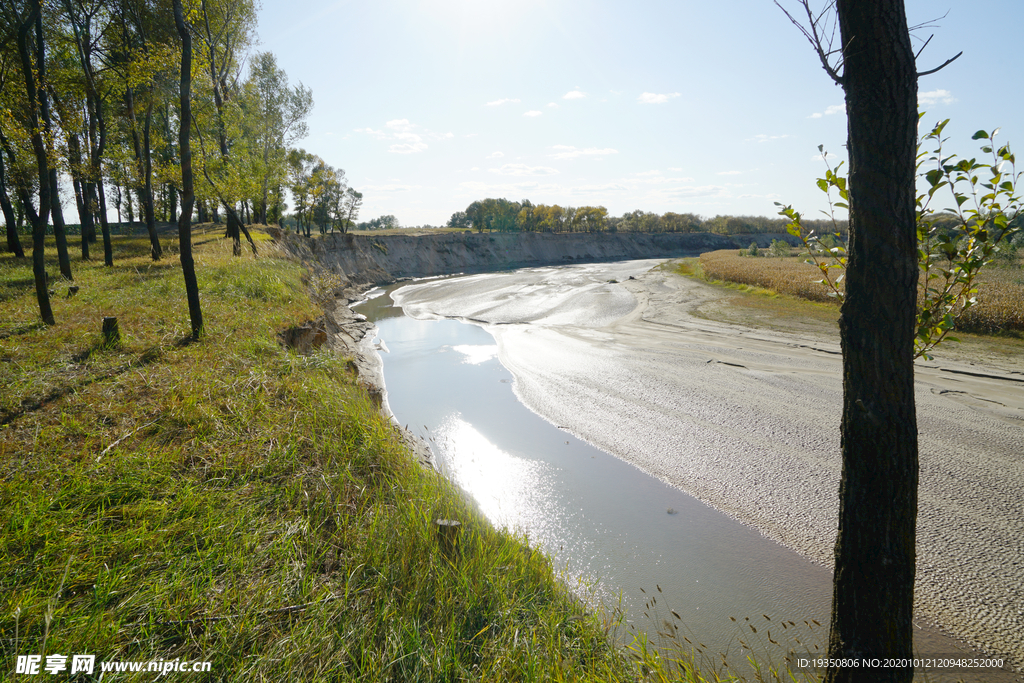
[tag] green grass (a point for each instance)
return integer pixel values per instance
(231, 501)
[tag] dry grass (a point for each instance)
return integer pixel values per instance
(1000, 306)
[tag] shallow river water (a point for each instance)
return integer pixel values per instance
(617, 535)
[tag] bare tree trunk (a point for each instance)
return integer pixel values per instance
(39, 219)
(77, 183)
(188, 192)
(98, 129)
(147, 197)
(143, 159)
(10, 219)
(129, 206)
(873, 597)
(59, 234)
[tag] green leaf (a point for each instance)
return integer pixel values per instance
(980, 135)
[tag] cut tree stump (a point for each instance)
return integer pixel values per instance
(448, 536)
(111, 334)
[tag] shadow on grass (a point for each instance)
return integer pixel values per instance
(29, 405)
(24, 329)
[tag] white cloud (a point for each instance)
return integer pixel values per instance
(524, 170)
(648, 173)
(533, 112)
(408, 148)
(836, 109)
(569, 152)
(765, 138)
(815, 115)
(408, 137)
(677, 170)
(574, 95)
(495, 155)
(729, 172)
(498, 103)
(935, 96)
(656, 98)
(553, 105)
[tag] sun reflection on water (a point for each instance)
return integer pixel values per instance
(512, 492)
(477, 354)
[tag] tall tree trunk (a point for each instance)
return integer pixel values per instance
(147, 196)
(10, 219)
(188, 186)
(97, 128)
(873, 594)
(77, 183)
(234, 224)
(91, 206)
(108, 248)
(59, 235)
(129, 207)
(40, 218)
(143, 161)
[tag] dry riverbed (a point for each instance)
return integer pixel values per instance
(654, 368)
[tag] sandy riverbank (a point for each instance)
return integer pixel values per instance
(747, 421)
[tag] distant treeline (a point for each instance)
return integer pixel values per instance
(502, 215)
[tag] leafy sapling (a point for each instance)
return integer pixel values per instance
(954, 243)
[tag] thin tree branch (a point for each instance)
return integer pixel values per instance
(924, 46)
(941, 66)
(813, 38)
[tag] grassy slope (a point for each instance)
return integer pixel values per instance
(232, 501)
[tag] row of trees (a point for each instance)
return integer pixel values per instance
(507, 216)
(122, 99)
(98, 79)
(321, 196)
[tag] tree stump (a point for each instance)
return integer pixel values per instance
(111, 334)
(448, 536)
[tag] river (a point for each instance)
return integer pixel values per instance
(618, 535)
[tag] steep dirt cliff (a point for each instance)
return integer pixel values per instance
(377, 259)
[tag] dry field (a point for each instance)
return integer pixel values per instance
(1000, 295)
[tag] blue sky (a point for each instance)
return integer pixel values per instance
(703, 107)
